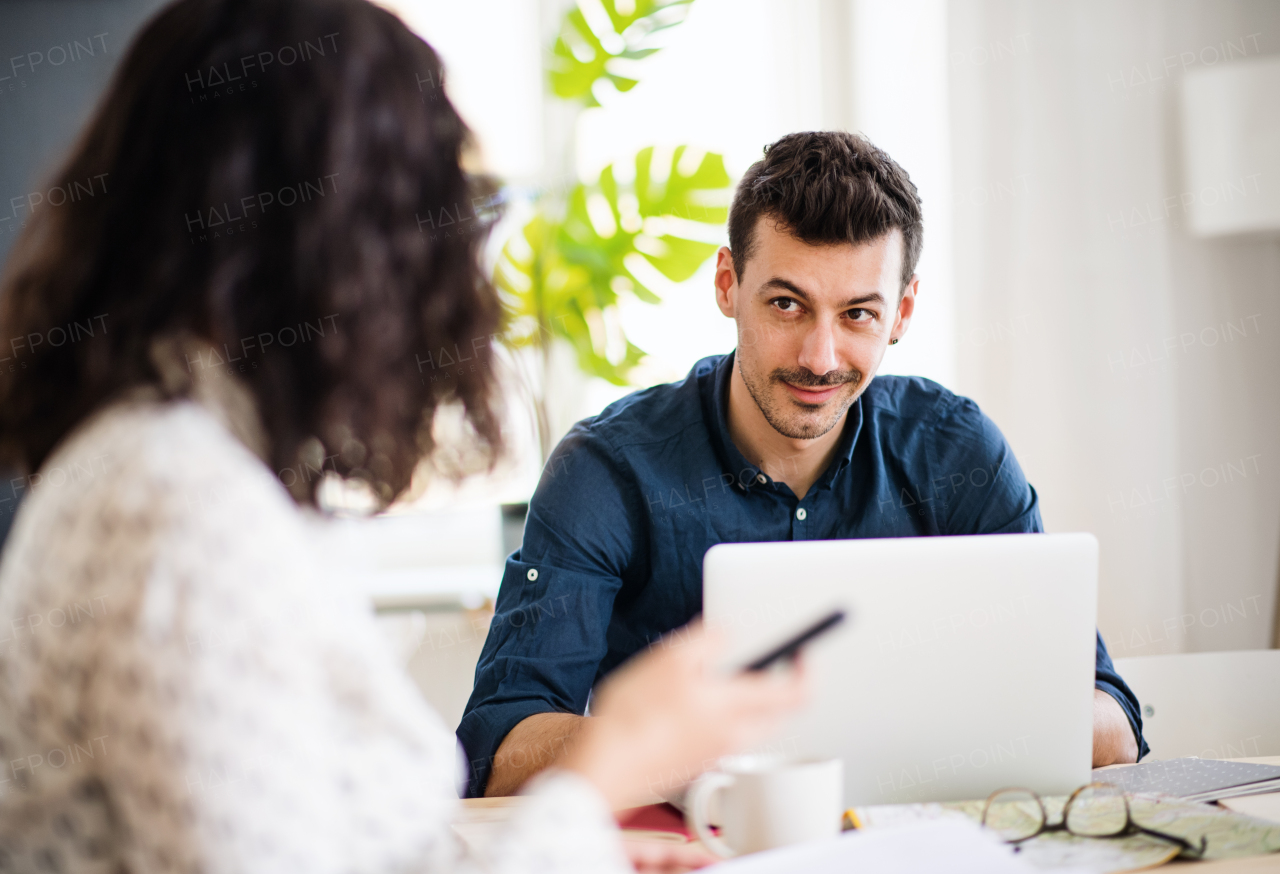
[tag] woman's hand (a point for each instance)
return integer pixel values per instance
(669, 714)
(665, 857)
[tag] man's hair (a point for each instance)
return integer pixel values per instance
(827, 187)
(341, 107)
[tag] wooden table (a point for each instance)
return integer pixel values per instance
(476, 811)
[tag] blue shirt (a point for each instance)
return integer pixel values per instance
(633, 498)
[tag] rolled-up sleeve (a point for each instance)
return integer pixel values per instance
(1106, 679)
(541, 655)
(550, 624)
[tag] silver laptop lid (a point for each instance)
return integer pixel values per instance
(967, 664)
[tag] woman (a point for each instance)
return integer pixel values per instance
(241, 303)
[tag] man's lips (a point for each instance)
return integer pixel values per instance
(813, 395)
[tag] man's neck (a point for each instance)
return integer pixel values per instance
(798, 463)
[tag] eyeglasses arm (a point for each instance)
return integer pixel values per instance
(1181, 842)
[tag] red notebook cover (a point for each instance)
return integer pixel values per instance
(654, 818)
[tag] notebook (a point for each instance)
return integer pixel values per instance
(654, 822)
(1194, 779)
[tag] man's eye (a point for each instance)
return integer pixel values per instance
(860, 315)
(786, 304)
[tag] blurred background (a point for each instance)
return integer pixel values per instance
(1101, 270)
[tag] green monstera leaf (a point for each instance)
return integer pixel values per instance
(600, 39)
(547, 296)
(564, 277)
(610, 223)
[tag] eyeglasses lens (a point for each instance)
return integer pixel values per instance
(1014, 814)
(1097, 810)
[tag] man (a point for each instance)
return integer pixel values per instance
(787, 438)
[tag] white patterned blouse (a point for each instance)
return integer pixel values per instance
(182, 688)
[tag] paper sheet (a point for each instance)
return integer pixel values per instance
(957, 847)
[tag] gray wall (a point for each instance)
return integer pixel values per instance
(49, 83)
(55, 61)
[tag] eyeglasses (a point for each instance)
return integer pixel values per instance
(1098, 810)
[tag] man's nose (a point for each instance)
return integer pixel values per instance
(818, 351)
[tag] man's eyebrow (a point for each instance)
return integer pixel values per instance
(781, 284)
(872, 297)
(786, 285)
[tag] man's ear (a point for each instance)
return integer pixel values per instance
(726, 282)
(906, 307)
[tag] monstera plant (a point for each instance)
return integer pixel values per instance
(564, 273)
(600, 39)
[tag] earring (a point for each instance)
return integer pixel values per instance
(893, 342)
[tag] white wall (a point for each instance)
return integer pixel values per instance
(899, 99)
(493, 66)
(1076, 292)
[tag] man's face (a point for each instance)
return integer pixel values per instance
(813, 323)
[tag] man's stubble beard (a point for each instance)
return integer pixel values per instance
(794, 426)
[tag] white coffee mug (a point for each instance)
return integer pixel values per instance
(767, 801)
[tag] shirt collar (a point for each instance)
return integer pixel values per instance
(715, 404)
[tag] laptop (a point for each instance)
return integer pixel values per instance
(966, 664)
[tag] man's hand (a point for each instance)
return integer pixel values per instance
(537, 742)
(1113, 740)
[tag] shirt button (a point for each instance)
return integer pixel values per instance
(760, 478)
(801, 514)
(532, 574)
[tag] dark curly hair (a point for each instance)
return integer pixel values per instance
(282, 180)
(827, 187)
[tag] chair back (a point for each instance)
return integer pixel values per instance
(1219, 705)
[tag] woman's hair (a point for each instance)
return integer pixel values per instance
(280, 179)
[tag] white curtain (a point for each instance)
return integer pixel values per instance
(1134, 368)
